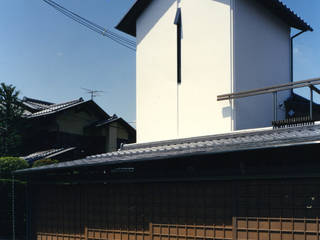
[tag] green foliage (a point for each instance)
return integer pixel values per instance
(10, 164)
(11, 121)
(43, 162)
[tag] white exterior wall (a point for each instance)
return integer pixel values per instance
(164, 109)
(206, 67)
(262, 58)
(156, 83)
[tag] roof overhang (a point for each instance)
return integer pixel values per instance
(242, 141)
(128, 22)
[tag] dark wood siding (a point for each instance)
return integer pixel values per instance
(192, 210)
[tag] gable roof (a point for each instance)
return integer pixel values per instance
(112, 119)
(48, 109)
(46, 154)
(34, 105)
(247, 140)
(128, 22)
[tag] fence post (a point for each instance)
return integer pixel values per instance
(12, 212)
(85, 233)
(150, 231)
(234, 228)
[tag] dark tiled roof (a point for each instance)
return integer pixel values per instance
(35, 104)
(214, 144)
(115, 118)
(107, 121)
(54, 108)
(128, 22)
(46, 154)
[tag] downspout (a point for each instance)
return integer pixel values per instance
(291, 55)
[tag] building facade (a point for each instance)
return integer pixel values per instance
(215, 183)
(223, 46)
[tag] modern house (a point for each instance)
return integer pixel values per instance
(71, 130)
(202, 168)
(188, 52)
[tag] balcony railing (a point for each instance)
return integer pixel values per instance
(274, 90)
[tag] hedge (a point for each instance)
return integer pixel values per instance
(10, 164)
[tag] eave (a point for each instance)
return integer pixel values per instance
(128, 22)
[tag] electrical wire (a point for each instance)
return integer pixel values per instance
(93, 26)
(119, 39)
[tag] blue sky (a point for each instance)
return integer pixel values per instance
(50, 57)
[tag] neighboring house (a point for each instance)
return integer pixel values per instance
(297, 106)
(72, 130)
(216, 183)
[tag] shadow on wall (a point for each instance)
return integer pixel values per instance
(226, 2)
(161, 7)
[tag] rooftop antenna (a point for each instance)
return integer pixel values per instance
(93, 93)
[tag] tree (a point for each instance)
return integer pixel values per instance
(11, 164)
(43, 162)
(11, 120)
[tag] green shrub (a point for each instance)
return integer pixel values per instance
(10, 164)
(43, 162)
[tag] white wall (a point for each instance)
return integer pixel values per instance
(206, 67)
(262, 58)
(164, 109)
(156, 72)
(227, 46)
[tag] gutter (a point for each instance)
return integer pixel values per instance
(291, 54)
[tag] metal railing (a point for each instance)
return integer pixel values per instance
(274, 90)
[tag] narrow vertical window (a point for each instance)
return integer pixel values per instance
(177, 21)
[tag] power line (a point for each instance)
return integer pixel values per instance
(89, 24)
(117, 38)
(93, 26)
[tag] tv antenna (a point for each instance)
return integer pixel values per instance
(93, 93)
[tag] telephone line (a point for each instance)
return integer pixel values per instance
(93, 26)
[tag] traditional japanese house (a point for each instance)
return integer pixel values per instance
(71, 130)
(203, 168)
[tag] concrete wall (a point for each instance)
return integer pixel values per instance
(166, 110)
(262, 58)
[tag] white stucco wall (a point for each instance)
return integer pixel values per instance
(156, 83)
(206, 67)
(164, 109)
(262, 58)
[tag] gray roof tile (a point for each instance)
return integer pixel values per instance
(46, 154)
(230, 142)
(56, 108)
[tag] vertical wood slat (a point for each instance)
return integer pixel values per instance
(234, 228)
(151, 230)
(85, 233)
(317, 222)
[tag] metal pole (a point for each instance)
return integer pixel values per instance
(311, 103)
(27, 212)
(275, 101)
(13, 217)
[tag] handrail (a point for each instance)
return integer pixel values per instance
(272, 89)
